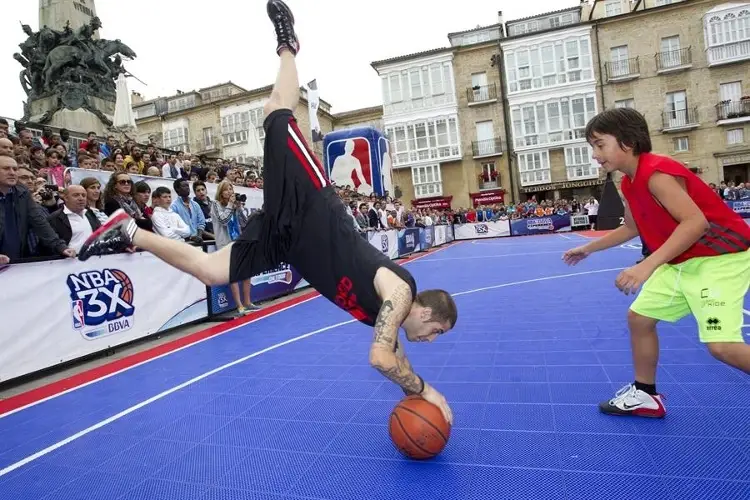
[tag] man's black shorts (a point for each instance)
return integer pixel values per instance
(292, 179)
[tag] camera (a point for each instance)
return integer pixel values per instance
(242, 198)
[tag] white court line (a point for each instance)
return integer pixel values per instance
(545, 278)
(103, 377)
(561, 235)
(161, 395)
(495, 255)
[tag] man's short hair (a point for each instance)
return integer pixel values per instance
(161, 191)
(442, 304)
(627, 125)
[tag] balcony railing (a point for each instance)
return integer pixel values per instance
(481, 94)
(672, 59)
(729, 53)
(680, 119)
(201, 145)
(624, 69)
(488, 147)
(730, 110)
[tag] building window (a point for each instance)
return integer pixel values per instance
(625, 103)
(727, 34)
(549, 64)
(553, 121)
(176, 139)
(181, 103)
(490, 177)
(681, 144)
(578, 163)
(235, 127)
(676, 109)
(427, 181)
(418, 87)
(613, 8)
(534, 168)
(432, 139)
(735, 136)
(670, 55)
(619, 64)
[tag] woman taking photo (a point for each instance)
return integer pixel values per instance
(229, 217)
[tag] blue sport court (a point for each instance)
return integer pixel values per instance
(287, 407)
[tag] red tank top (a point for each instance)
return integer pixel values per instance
(728, 232)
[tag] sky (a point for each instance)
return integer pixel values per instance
(184, 47)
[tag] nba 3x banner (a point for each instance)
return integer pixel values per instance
(66, 309)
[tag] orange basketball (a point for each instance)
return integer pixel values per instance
(418, 429)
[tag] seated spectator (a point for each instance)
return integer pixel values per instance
(6, 147)
(74, 223)
(119, 194)
(119, 160)
(107, 165)
(166, 222)
(141, 197)
(135, 158)
(20, 217)
(171, 170)
(202, 199)
(94, 200)
(189, 210)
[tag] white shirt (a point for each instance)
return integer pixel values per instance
(169, 224)
(593, 208)
(80, 228)
(166, 171)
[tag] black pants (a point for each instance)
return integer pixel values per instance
(292, 180)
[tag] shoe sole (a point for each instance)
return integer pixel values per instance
(624, 413)
(282, 7)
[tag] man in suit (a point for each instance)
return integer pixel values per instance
(73, 223)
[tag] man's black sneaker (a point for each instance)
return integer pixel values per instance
(283, 23)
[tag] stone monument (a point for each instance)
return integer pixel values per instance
(69, 73)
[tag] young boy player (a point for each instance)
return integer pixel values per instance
(700, 262)
(305, 224)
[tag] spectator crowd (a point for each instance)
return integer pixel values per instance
(42, 214)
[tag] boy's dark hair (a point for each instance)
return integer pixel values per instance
(143, 187)
(160, 191)
(627, 125)
(442, 304)
(198, 184)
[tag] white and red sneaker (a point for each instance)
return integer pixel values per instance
(632, 401)
(114, 236)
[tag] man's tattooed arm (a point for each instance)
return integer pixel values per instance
(383, 356)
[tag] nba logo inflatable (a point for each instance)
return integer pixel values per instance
(359, 158)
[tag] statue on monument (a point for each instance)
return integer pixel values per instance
(70, 66)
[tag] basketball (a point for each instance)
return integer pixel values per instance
(418, 429)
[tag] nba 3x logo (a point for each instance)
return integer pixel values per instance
(101, 302)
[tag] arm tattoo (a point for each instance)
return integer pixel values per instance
(402, 374)
(392, 313)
